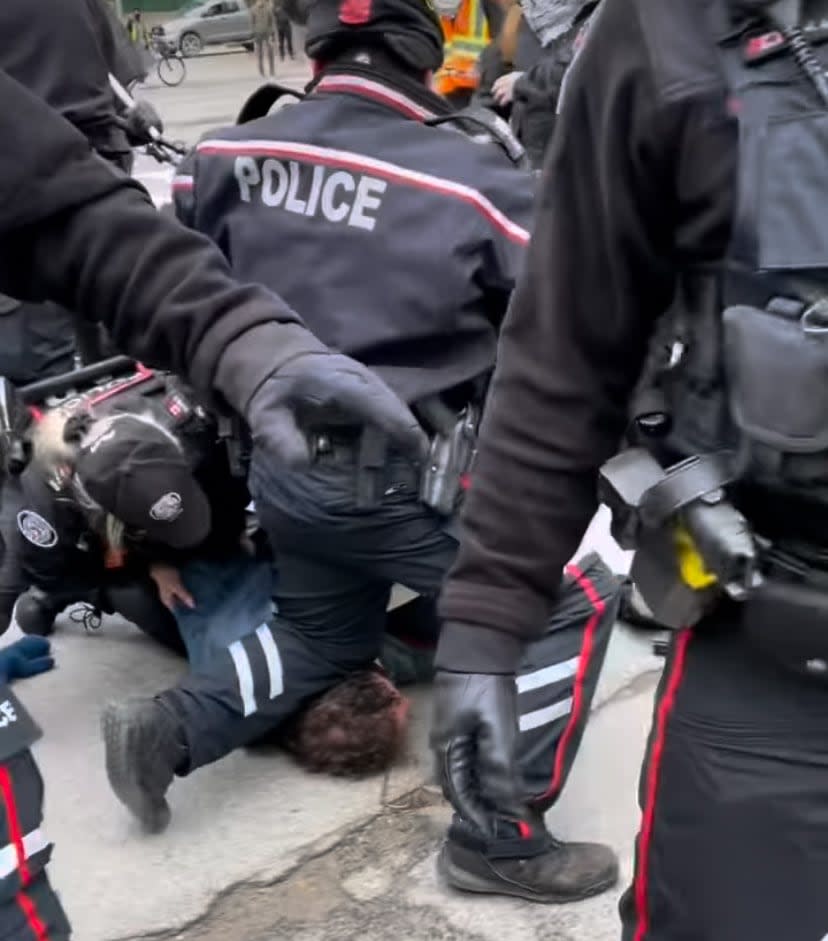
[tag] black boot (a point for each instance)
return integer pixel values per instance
(35, 612)
(145, 747)
(554, 872)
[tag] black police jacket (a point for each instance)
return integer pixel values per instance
(75, 230)
(64, 50)
(638, 184)
(398, 243)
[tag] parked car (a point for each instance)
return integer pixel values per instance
(208, 23)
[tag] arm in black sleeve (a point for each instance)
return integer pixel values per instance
(608, 238)
(512, 194)
(50, 531)
(75, 230)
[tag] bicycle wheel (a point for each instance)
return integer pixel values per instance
(171, 70)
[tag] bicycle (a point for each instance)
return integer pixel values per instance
(170, 65)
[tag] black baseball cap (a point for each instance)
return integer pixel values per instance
(137, 473)
(409, 28)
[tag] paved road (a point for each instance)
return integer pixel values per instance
(211, 96)
(258, 850)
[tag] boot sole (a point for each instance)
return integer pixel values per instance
(118, 736)
(467, 882)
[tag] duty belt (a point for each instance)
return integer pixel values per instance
(367, 450)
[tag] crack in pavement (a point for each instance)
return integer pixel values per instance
(345, 888)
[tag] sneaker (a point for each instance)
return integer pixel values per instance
(144, 747)
(566, 872)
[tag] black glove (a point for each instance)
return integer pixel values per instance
(25, 657)
(140, 121)
(473, 735)
(323, 380)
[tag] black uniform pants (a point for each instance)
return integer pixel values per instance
(733, 844)
(336, 567)
(337, 564)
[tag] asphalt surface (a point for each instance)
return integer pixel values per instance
(257, 849)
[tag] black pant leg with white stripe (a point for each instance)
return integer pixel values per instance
(558, 677)
(336, 566)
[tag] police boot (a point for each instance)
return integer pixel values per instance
(525, 861)
(35, 612)
(145, 746)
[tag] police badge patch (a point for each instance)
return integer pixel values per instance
(167, 508)
(38, 531)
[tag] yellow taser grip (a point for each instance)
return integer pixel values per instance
(691, 564)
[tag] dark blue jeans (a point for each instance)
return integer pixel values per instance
(233, 597)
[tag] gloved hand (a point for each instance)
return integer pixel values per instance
(473, 736)
(25, 657)
(140, 121)
(326, 380)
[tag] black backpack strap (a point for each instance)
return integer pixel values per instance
(499, 131)
(258, 105)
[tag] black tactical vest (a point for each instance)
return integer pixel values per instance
(741, 364)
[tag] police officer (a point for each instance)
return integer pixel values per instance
(168, 298)
(64, 50)
(167, 295)
(415, 232)
(651, 217)
(132, 506)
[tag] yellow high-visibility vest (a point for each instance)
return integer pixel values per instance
(466, 36)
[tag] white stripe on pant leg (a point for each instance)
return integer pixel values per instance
(547, 675)
(274, 661)
(242, 664)
(33, 843)
(534, 720)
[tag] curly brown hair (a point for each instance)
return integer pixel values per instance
(351, 730)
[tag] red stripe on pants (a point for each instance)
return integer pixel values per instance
(665, 708)
(587, 649)
(27, 906)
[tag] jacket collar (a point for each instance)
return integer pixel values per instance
(397, 92)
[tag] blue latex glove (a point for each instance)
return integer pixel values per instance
(25, 657)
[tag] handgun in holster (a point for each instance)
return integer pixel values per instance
(692, 546)
(451, 455)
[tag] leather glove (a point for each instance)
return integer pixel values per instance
(473, 736)
(140, 121)
(25, 657)
(321, 379)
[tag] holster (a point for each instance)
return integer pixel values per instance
(445, 473)
(786, 616)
